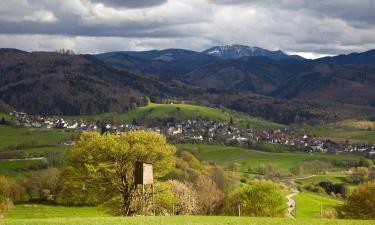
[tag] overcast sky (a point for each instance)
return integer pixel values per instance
(310, 28)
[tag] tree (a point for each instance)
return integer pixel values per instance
(360, 174)
(262, 198)
(185, 198)
(209, 196)
(361, 202)
(107, 162)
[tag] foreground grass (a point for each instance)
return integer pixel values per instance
(308, 205)
(158, 112)
(28, 211)
(184, 220)
(284, 160)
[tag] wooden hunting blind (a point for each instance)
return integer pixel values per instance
(143, 173)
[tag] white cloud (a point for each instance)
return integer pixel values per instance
(311, 28)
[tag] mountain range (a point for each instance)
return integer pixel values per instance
(269, 84)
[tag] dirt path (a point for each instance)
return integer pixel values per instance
(291, 202)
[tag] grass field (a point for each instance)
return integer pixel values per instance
(14, 168)
(343, 135)
(13, 136)
(286, 160)
(330, 177)
(28, 211)
(308, 205)
(183, 220)
(158, 112)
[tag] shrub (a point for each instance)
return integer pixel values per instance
(262, 198)
(361, 202)
(186, 199)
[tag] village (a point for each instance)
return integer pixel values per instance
(203, 131)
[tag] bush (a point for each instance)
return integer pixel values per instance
(360, 175)
(361, 202)
(186, 199)
(330, 188)
(209, 196)
(262, 198)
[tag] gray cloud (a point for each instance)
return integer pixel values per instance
(299, 26)
(131, 3)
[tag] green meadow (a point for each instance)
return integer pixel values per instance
(32, 211)
(13, 136)
(158, 112)
(16, 167)
(343, 135)
(308, 205)
(181, 220)
(246, 157)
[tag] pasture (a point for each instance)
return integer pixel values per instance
(343, 135)
(13, 168)
(32, 211)
(183, 220)
(308, 205)
(284, 160)
(15, 136)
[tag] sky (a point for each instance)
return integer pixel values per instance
(311, 28)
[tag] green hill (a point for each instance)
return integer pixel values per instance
(284, 160)
(156, 113)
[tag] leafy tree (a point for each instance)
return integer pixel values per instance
(209, 196)
(186, 199)
(360, 174)
(262, 198)
(361, 202)
(107, 162)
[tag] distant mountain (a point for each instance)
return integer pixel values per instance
(317, 80)
(53, 83)
(367, 57)
(237, 51)
(11, 50)
(167, 63)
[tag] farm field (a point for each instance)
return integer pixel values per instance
(156, 112)
(284, 160)
(308, 205)
(13, 136)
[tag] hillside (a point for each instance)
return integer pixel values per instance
(166, 63)
(55, 84)
(160, 113)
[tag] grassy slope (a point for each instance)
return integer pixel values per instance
(155, 112)
(11, 136)
(308, 205)
(185, 220)
(354, 135)
(287, 160)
